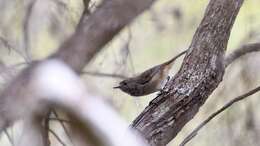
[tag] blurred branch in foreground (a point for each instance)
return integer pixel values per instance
(62, 87)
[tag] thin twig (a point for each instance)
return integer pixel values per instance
(60, 120)
(6, 43)
(10, 47)
(128, 49)
(125, 52)
(227, 105)
(99, 74)
(57, 137)
(46, 129)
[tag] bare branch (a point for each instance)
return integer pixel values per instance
(108, 20)
(225, 107)
(6, 43)
(60, 120)
(46, 128)
(63, 87)
(127, 49)
(10, 47)
(243, 50)
(99, 74)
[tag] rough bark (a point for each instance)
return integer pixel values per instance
(201, 72)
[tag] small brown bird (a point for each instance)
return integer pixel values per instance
(149, 81)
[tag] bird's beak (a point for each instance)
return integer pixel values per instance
(116, 87)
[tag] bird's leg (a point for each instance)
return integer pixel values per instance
(162, 90)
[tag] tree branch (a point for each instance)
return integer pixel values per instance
(225, 107)
(99, 74)
(94, 31)
(10, 47)
(57, 84)
(60, 120)
(243, 50)
(45, 130)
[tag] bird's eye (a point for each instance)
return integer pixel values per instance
(124, 83)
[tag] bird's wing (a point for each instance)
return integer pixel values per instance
(147, 75)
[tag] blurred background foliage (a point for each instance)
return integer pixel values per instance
(164, 30)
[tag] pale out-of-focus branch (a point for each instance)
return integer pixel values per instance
(55, 83)
(33, 133)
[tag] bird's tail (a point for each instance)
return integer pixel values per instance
(174, 58)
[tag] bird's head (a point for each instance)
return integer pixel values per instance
(123, 85)
(130, 86)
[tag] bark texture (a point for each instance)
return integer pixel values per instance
(201, 72)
